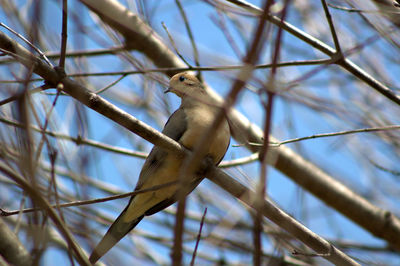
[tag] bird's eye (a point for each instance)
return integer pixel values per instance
(182, 78)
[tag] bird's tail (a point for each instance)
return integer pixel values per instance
(117, 231)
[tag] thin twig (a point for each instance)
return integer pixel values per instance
(111, 84)
(220, 21)
(174, 46)
(326, 49)
(77, 53)
(385, 169)
(355, 10)
(64, 34)
(331, 27)
(87, 202)
(42, 55)
(198, 237)
(19, 94)
(189, 31)
(181, 69)
(206, 68)
(323, 135)
(44, 128)
(81, 141)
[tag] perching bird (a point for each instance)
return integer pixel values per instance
(186, 125)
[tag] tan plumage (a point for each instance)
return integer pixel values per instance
(186, 125)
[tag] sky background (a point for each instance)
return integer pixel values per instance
(291, 119)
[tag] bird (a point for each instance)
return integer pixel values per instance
(186, 125)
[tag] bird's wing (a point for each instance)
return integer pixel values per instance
(174, 128)
(176, 125)
(229, 129)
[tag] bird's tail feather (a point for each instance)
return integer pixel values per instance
(115, 233)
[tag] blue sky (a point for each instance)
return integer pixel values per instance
(332, 155)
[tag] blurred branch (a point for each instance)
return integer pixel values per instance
(174, 46)
(333, 134)
(198, 237)
(81, 141)
(42, 202)
(82, 53)
(11, 249)
(280, 218)
(390, 9)
(64, 34)
(189, 32)
(332, 27)
(180, 69)
(269, 91)
(42, 55)
(328, 50)
(87, 202)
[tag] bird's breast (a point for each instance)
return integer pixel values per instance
(201, 119)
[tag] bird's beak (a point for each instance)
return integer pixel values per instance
(168, 90)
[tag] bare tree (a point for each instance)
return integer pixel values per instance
(310, 89)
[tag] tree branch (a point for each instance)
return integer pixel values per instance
(11, 249)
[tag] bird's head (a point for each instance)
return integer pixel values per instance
(185, 84)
